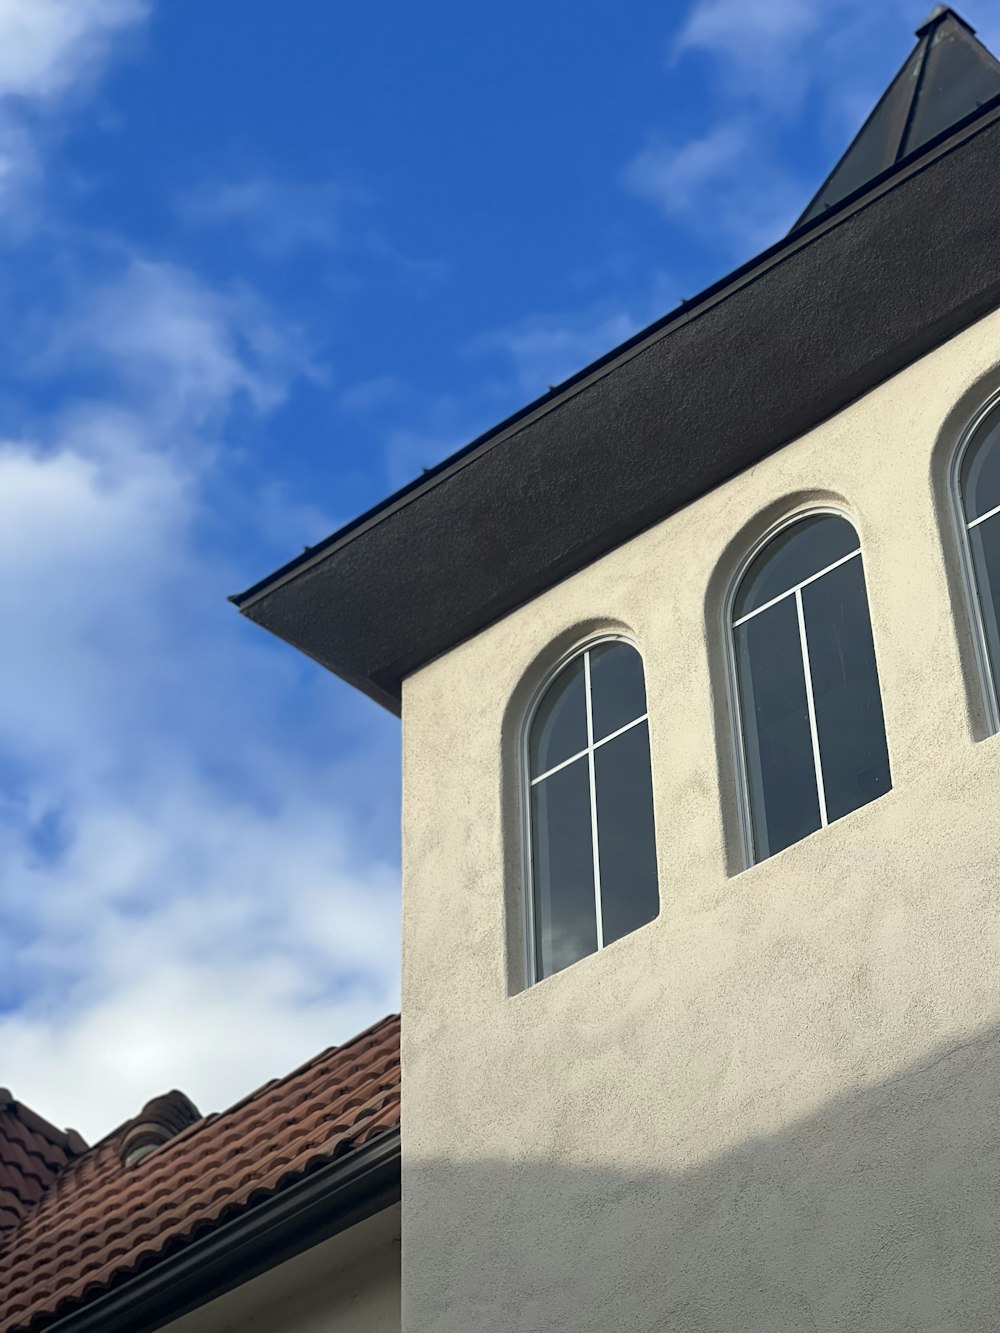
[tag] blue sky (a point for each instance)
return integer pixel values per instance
(259, 264)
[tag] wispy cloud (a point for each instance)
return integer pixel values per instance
(186, 346)
(49, 50)
(371, 394)
(544, 349)
(772, 53)
(279, 217)
(517, 363)
(50, 46)
(283, 219)
(776, 49)
(721, 185)
(181, 900)
(738, 180)
(184, 894)
(773, 50)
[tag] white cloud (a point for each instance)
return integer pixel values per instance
(758, 41)
(49, 46)
(189, 938)
(719, 185)
(49, 49)
(773, 52)
(544, 350)
(279, 216)
(20, 167)
(283, 219)
(739, 179)
(733, 25)
(184, 346)
(182, 898)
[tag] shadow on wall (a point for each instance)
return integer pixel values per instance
(878, 1213)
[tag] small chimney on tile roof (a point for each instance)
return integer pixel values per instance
(157, 1123)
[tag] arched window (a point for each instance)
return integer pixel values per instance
(813, 737)
(979, 497)
(592, 848)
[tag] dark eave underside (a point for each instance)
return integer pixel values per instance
(755, 361)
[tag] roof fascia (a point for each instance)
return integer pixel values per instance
(688, 310)
(322, 1204)
(428, 597)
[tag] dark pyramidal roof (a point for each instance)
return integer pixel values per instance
(949, 75)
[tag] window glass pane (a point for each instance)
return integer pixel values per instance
(617, 688)
(559, 728)
(563, 868)
(625, 837)
(846, 695)
(981, 469)
(984, 541)
(799, 551)
(781, 774)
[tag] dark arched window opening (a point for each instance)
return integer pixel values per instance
(813, 735)
(979, 496)
(591, 834)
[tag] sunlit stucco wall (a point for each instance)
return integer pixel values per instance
(775, 1107)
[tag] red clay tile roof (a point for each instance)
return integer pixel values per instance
(98, 1222)
(32, 1154)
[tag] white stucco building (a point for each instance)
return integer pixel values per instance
(698, 665)
(696, 661)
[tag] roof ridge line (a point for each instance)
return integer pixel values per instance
(937, 15)
(213, 1116)
(68, 1139)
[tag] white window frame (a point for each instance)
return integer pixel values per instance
(527, 782)
(729, 624)
(973, 597)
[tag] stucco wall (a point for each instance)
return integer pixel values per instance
(348, 1284)
(775, 1107)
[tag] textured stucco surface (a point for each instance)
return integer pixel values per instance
(348, 1284)
(775, 1108)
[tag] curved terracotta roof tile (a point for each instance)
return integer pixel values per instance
(33, 1154)
(95, 1221)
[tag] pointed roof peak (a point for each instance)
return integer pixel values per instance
(946, 78)
(937, 15)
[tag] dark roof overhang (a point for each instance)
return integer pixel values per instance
(726, 379)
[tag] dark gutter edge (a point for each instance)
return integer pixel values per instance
(909, 165)
(322, 1204)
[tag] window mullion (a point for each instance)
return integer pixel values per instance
(621, 731)
(975, 522)
(557, 768)
(593, 802)
(811, 705)
(797, 587)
